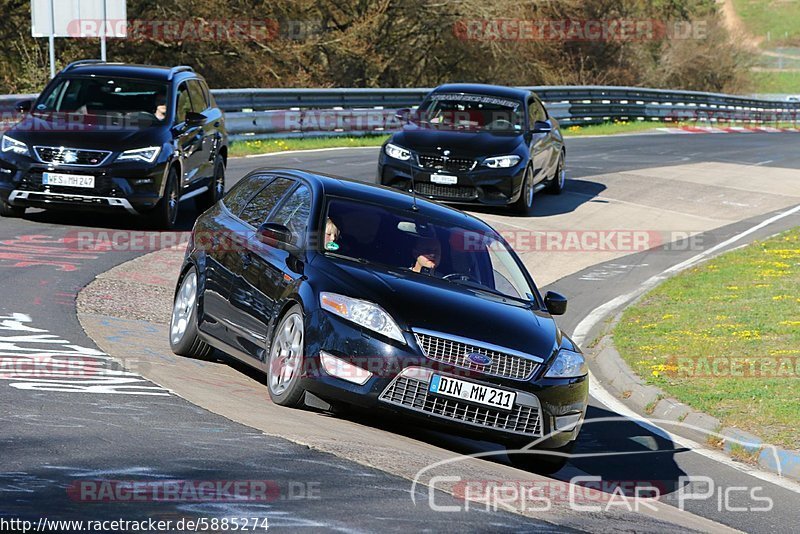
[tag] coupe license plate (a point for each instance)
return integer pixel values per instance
(480, 394)
(68, 180)
(444, 179)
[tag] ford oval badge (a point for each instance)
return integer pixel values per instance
(479, 359)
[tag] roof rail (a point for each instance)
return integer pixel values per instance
(179, 68)
(82, 62)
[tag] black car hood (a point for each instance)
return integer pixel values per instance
(55, 131)
(461, 142)
(416, 301)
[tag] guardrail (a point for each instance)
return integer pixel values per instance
(264, 113)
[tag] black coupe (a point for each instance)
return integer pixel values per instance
(476, 143)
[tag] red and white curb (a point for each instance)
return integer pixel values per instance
(727, 129)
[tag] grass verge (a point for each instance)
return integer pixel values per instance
(267, 146)
(724, 338)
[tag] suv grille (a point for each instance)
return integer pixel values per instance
(71, 156)
(440, 163)
(456, 353)
(413, 394)
(459, 192)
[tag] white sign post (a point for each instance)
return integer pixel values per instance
(78, 18)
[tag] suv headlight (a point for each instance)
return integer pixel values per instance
(9, 144)
(362, 313)
(147, 155)
(568, 364)
(397, 152)
(501, 162)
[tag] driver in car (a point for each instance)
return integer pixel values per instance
(427, 254)
(161, 106)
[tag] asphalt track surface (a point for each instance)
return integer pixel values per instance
(52, 440)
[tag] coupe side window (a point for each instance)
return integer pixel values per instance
(258, 209)
(295, 211)
(236, 199)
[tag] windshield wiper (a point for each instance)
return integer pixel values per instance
(476, 285)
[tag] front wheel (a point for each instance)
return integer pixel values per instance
(286, 360)
(524, 204)
(165, 214)
(559, 179)
(216, 189)
(7, 210)
(183, 337)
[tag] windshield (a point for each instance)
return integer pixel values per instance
(417, 244)
(471, 112)
(106, 96)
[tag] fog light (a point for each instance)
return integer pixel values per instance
(143, 181)
(341, 369)
(567, 422)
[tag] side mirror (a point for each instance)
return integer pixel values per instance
(24, 106)
(403, 114)
(556, 303)
(542, 127)
(195, 119)
(276, 235)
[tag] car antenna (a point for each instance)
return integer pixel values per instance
(414, 206)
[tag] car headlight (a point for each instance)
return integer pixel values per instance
(397, 152)
(148, 155)
(362, 313)
(568, 364)
(501, 162)
(9, 144)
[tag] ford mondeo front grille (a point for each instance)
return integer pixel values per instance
(456, 351)
(71, 156)
(412, 393)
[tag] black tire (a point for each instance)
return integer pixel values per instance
(165, 215)
(542, 461)
(524, 204)
(559, 179)
(285, 350)
(12, 212)
(216, 188)
(183, 337)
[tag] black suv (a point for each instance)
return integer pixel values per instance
(111, 136)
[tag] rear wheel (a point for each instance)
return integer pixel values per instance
(183, 337)
(286, 359)
(559, 178)
(524, 205)
(7, 210)
(165, 214)
(216, 189)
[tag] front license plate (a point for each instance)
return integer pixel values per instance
(444, 179)
(68, 180)
(478, 393)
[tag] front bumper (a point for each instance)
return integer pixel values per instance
(401, 374)
(131, 187)
(494, 187)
